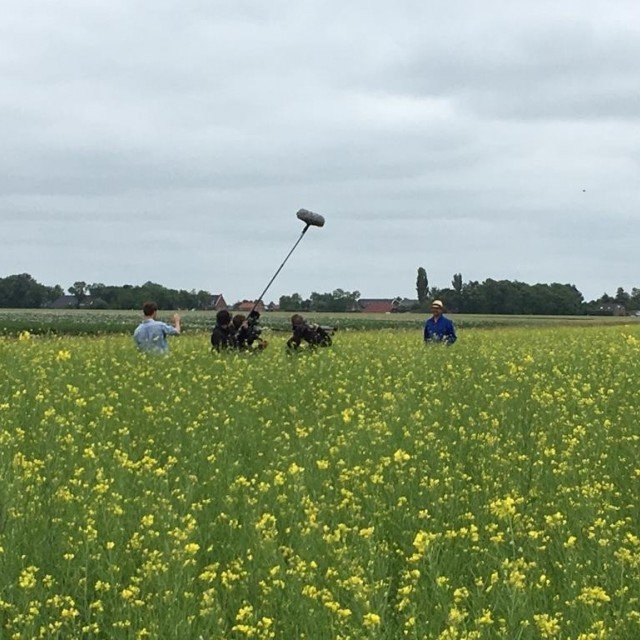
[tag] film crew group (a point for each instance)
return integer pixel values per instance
(243, 333)
(238, 332)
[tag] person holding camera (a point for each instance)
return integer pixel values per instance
(248, 332)
(438, 328)
(150, 335)
(313, 334)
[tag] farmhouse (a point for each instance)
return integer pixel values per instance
(613, 309)
(246, 305)
(377, 305)
(217, 302)
(71, 302)
(407, 304)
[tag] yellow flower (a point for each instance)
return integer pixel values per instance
(593, 596)
(294, 469)
(147, 521)
(485, 618)
(547, 626)
(371, 620)
(27, 578)
(503, 508)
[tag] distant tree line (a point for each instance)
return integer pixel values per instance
(519, 298)
(24, 292)
(130, 296)
(21, 291)
(336, 301)
(489, 296)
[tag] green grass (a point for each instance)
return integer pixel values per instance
(378, 489)
(90, 322)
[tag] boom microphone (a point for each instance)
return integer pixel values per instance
(310, 218)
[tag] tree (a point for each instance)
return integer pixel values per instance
(23, 291)
(204, 299)
(454, 299)
(79, 290)
(294, 302)
(422, 287)
(622, 297)
(53, 293)
(339, 300)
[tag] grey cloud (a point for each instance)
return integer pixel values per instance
(456, 137)
(580, 68)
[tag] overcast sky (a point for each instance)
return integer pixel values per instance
(174, 141)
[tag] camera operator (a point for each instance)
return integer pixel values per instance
(313, 334)
(247, 332)
(223, 335)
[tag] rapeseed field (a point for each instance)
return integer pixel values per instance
(376, 489)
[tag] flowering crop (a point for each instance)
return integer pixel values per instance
(377, 489)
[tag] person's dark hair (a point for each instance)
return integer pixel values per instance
(149, 308)
(297, 319)
(238, 319)
(223, 317)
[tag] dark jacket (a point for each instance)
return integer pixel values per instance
(223, 337)
(303, 332)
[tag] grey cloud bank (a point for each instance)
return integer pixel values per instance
(174, 142)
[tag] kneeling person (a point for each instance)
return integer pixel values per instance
(223, 334)
(313, 334)
(248, 333)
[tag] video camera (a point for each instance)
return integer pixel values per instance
(323, 334)
(248, 333)
(314, 335)
(253, 328)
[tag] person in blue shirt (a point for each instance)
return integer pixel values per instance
(438, 328)
(151, 335)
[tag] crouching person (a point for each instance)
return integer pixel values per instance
(314, 335)
(223, 335)
(248, 332)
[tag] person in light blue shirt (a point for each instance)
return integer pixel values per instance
(438, 328)
(150, 335)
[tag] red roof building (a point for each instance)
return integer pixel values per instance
(247, 305)
(217, 302)
(377, 305)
